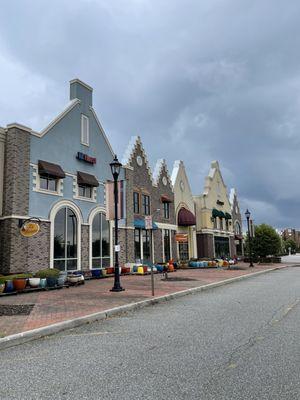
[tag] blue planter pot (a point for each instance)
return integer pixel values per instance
(96, 273)
(51, 281)
(9, 287)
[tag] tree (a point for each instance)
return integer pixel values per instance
(266, 241)
(289, 243)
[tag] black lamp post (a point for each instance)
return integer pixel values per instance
(247, 213)
(115, 166)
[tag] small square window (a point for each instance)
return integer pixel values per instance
(85, 191)
(84, 130)
(48, 183)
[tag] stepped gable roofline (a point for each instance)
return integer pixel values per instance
(135, 142)
(214, 167)
(159, 166)
(232, 195)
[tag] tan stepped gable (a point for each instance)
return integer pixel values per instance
(215, 237)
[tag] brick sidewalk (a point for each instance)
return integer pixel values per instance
(94, 296)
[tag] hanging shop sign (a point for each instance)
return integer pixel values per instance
(84, 157)
(30, 227)
(148, 222)
(181, 237)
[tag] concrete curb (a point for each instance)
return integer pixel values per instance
(23, 337)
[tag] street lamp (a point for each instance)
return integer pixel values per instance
(115, 166)
(247, 214)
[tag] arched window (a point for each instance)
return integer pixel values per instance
(65, 240)
(100, 241)
(237, 229)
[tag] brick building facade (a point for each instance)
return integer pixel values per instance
(148, 195)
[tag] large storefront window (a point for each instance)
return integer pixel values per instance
(167, 248)
(222, 246)
(146, 244)
(100, 242)
(65, 240)
(183, 251)
(137, 244)
(142, 244)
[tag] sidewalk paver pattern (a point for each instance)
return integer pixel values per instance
(94, 296)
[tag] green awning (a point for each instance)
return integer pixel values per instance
(215, 213)
(227, 215)
(221, 214)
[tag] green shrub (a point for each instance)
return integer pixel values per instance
(47, 273)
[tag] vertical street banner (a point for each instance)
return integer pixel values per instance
(148, 222)
(110, 200)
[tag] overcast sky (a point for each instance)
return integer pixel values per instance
(198, 80)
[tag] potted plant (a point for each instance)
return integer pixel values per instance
(51, 275)
(20, 281)
(34, 282)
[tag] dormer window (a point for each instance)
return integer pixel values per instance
(85, 134)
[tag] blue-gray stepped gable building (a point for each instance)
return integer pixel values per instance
(57, 175)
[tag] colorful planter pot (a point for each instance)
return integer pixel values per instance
(109, 270)
(43, 282)
(51, 281)
(19, 284)
(9, 286)
(103, 272)
(61, 280)
(171, 268)
(140, 271)
(74, 278)
(96, 273)
(125, 270)
(135, 268)
(160, 268)
(34, 282)
(2, 287)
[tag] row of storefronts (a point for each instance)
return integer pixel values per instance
(59, 178)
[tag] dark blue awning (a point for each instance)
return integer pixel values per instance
(140, 223)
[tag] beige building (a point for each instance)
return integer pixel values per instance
(215, 235)
(184, 213)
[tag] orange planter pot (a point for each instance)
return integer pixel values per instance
(19, 284)
(110, 270)
(171, 268)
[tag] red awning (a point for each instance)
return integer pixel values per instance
(186, 218)
(166, 199)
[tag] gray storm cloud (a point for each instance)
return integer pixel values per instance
(202, 80)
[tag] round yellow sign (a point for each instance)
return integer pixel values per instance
(30, 228)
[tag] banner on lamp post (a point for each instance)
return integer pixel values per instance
(148, 222)
(110, 200)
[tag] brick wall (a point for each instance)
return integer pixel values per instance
(205, 245)
(16, 172)
(140, 179)
(14, 248)
(85, 247)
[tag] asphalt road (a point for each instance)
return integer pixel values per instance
(240, 341)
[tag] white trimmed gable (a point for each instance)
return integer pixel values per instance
(183, 196)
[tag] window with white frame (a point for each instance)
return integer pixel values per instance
(85, 191)
(48, 183)
(85, 130)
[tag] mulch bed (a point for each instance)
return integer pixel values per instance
(15, 309)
